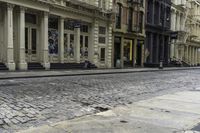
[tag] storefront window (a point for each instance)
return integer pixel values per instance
(34, 41)
(71, 47)
(84, 28)
(81, 46)
(69, 25)
(53, 35)
(53, 41)
(65, 44)
(30, 18)
(86, 46)
(26, 40)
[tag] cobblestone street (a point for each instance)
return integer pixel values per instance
(32, 102)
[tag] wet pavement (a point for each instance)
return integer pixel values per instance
(26, 103)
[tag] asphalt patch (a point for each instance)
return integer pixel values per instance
(196, 128)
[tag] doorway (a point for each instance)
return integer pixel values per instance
(31, 43)
(139, 55)
(128, 53)
(117, 50)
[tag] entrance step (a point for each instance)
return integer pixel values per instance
(3, 67)
(70, 66)
(185, 64)
(35, 66)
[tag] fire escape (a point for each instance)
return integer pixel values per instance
(184, 33)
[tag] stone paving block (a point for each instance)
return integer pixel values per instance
(69, 95)
(30, 115)
(7, 121)
(15, 121)
(5, 126)
(20, 114)
(1, 116)
(21, 119)
(1, 122)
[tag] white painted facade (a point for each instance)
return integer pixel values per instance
(24, 32)
(185, 19)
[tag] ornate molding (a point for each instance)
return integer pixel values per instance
(10, 6)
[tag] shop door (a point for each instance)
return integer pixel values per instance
(31, 44)
(69, 47)
(117, 50)
(128, 53)
(139, 55)
(84, 47)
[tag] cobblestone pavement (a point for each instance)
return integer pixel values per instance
(33, 102)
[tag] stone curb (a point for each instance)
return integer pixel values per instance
(74, 73)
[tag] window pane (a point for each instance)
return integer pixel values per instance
(69, 25)
(71, 48)
(102, 40)
(26, 40)
(30, 18)
(86, 46)
(102, 30)
(86, 41)
(53, 41)
(81, 46)
(65, 43)
(103, 51)
(53, 23)
(33, 40)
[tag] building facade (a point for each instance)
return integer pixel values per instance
(185, 47)
(55, 31)
(157, 42)
(128, 33)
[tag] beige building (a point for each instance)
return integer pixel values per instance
(128, 33)
(185, 21)
(51, 32)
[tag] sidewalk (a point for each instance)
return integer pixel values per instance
(172, 113)
(57, 73)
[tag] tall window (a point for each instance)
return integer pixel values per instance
(102, 54)
(102, 35)
(53, 35)
(149, 11)
(141, 3)
(140, 22)
(130, 19)
(118, 16)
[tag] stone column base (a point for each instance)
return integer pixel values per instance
(46, 65)
(22, 66)
(11, 66)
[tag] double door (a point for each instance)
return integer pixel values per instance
(31, 43)
(69, 46)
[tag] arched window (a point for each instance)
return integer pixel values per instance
(118, 16)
